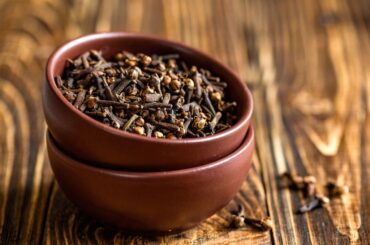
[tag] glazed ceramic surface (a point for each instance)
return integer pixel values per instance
(154, 202)
(87, 139)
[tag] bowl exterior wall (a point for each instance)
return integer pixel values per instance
(162, 203)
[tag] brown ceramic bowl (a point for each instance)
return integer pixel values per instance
(158, 202)
(90, 140)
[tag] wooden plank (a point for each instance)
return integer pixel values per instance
(25, 40)
(306, 62)
(312, 95)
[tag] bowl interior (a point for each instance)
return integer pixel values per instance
(111, 43)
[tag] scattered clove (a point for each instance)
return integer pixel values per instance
(264, 224)
(336, 190)
(238, 217)
(239, 220)
(315, 202)
(307, 185)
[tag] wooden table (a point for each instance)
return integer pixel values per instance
(307, 63)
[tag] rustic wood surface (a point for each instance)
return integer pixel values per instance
(306, 61)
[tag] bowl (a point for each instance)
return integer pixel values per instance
(89, 140)
(152, 202)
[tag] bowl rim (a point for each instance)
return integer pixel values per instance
(248, 142)
(49, 74)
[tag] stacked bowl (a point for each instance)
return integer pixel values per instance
(139, 183)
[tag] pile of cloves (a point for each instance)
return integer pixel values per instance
(239, 220)
(156, 96)
(307, 185)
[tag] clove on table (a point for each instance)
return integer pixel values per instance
(335, 189)
(315, 202)
(307, 185)
(239, 220)
(304, 183)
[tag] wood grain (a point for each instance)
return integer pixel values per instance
(306, 63)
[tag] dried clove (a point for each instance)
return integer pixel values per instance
(336, 190)
(238, 217)
(305, 183)
(315, 202)
(170, 100)
(149, 129)
(264, 224)
(215, 120)
(240, 220)
(80, 98)
(152, 97)
(130, 121)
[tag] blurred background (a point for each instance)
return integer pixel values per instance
(306, 62)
